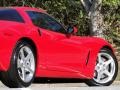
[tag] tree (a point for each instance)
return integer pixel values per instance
(93, 9)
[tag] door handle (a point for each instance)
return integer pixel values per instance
(39, 32)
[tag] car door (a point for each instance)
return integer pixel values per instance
(57, 51)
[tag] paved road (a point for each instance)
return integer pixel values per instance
(63, 86)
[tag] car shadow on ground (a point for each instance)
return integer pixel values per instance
(57, 80)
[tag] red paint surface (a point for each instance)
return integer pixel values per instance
(57, 55)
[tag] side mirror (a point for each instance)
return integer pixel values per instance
(72, 30)
(75, 29)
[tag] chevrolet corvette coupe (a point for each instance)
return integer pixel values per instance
(33, 44)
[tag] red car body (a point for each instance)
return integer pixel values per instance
(58, 56)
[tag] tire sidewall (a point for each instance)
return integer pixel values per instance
(14, 70)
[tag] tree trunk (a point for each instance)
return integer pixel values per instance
(93, 9)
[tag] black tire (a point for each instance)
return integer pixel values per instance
(92, 82)
(11, 78)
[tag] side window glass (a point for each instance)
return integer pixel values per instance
(54, 25)
(45, 21)
(38, 19)
(33, 17)
(10, 15)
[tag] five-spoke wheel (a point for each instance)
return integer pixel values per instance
(105, 70)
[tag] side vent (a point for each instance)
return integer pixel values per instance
(39, 32)
(87, 60)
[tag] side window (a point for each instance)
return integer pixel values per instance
(10, 15)
(45, 21)
(34, 17)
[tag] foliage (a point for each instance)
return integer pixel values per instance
(111, 2)
(111, 12)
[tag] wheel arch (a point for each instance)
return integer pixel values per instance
(107, 47)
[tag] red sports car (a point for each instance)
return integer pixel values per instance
(33, 44)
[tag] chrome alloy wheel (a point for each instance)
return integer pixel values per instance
(26, 64)
(105, 68)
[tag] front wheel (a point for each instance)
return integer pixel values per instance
(106, 69)
(22, 69)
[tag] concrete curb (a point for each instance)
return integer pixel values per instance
(116, 83)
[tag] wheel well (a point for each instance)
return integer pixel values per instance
(107, 47)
